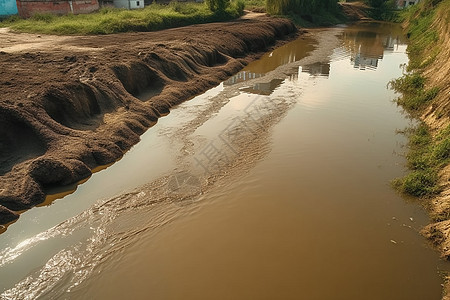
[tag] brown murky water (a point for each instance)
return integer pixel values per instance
(273, 185)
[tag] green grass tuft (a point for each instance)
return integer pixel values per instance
(426, 157)
(418, 183)
(414, 95)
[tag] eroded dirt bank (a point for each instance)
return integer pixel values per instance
(437, 117)
(69, 104)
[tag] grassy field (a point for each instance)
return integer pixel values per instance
(114, 20)
(156, 16)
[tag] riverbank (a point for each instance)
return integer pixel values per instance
(70, 104)
(426, 89)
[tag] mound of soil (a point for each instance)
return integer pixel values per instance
(69, 104)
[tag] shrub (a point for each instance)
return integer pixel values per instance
(418, 183)
(301, 7)
(217, 5)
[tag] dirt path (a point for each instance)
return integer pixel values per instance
(355, 11)
(20, 42)
(71, 103)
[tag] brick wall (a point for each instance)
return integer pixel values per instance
(28, 8)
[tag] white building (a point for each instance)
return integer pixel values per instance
(405, 3)
(129, 4)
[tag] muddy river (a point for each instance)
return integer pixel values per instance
(273, 185)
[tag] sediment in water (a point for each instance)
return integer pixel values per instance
(84, 102)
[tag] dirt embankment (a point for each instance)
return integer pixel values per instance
(437, 117)
(69, 104)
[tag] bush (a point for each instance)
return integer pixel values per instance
(409, 83)
(301, 7)
(419, 183)
(183, 8)
(240, 5)
(414, 95)
(217, 5)
(441, 151)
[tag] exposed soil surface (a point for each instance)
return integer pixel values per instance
(69, 104)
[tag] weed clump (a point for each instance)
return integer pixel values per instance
(414, 95)
(426, 157)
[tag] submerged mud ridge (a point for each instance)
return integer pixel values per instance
(80, 102)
